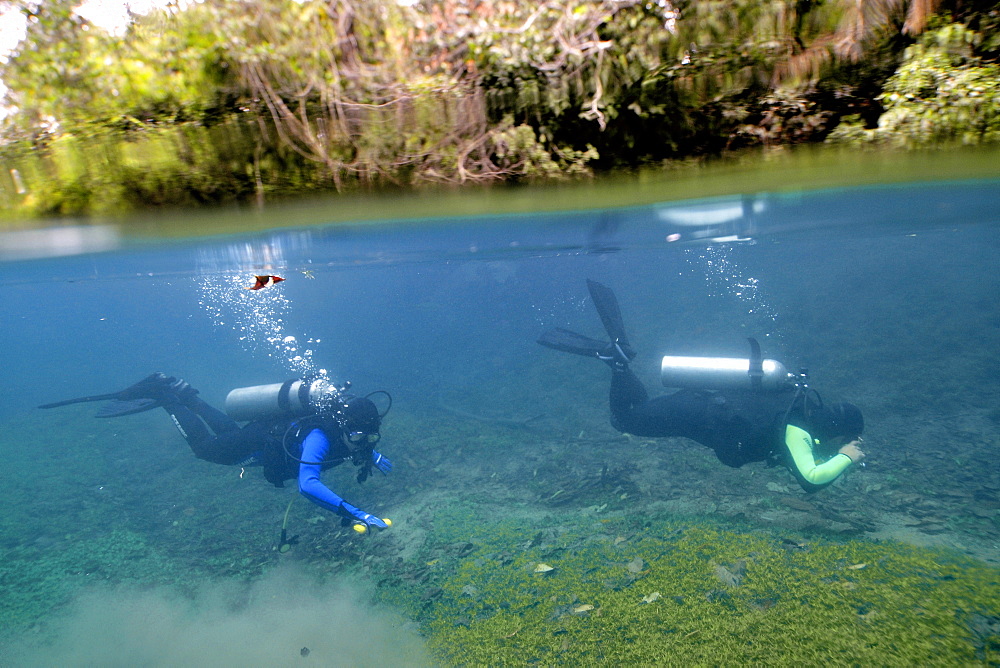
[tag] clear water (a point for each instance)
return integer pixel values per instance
(888, 295)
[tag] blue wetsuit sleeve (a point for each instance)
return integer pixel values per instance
(315, 448)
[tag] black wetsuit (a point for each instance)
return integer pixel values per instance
(258, 443)
(740, 426)
(285, 448)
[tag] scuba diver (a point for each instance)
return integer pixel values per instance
(746, 410)
(295, 429)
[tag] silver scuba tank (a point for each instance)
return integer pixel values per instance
(723, 373)
(296, 397)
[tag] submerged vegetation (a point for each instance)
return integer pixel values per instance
(656, 590)
(249, 101)
(524, 560)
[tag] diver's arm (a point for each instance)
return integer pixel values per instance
(315, 448)
(800, 447)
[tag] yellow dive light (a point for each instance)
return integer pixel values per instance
(362, 528)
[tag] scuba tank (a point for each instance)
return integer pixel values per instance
(293, 398)
(727, 373)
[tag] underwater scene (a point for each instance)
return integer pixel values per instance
(515, 524)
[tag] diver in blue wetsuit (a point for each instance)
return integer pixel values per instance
(295, 429)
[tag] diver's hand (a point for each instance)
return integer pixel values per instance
(853, 451)
(381, 462)
(372, 521)
(360, 519)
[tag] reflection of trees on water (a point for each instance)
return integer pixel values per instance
(223, 102)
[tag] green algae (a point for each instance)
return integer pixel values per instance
(692, 592)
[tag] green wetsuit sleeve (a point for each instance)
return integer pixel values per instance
(800, 446)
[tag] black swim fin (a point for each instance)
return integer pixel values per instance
(611, 316)
(147, 394)
(80, 400)
(571, 342)
(131, 407)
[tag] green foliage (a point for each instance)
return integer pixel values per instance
(523, 153)
(247, 101)
(692, 593)
(941, 93)
(638, 82)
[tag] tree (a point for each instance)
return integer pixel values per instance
(942, 93)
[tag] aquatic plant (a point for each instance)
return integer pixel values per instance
(630, 591)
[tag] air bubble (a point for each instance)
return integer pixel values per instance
(259, 319)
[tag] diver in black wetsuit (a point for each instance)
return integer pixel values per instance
(295, 429)
(787, 422)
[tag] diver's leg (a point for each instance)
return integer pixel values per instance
(193, 418)
(683, 413)
(217, 421)
(186, 407)
(231, 446)
(191, 427)
(626, 396)
(242, 447)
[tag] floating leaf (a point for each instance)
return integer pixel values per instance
(544, 568)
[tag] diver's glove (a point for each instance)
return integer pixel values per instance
(355, 516)
(381, 462)
(377, 461)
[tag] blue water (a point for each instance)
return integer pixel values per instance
(888, 295)
(897, 279)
